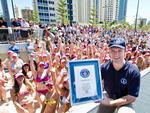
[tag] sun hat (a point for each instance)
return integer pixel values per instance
(41, 63)
(14, 55)
(18, 75)
(10, 52)
(49, 83)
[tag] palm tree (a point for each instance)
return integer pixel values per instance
(114, 22)
(62, 11)
(105, 25)
(34, 17)
(93, 18)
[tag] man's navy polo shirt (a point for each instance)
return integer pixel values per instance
(120, 83)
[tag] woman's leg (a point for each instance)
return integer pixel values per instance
(43, 108)
(39, 99)
(3, 93)
(31, 108)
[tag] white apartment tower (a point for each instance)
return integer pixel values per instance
(83, 11)
(17, 15)
(82, 8)
(75, 11)
(109, 10)
(46, 9)
(112, 10)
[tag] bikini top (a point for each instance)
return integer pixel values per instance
(46, 78)
(24, 93)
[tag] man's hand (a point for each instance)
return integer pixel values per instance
(117, 102)
(105, 101)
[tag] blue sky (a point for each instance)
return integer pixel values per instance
(21, 4)
(144, 8)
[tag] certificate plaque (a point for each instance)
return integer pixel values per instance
(85, 81)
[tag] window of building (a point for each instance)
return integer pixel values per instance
(44, 1)
(51, 8)
(40, 1)
(52, 14)
(51, 2)
(52, 20)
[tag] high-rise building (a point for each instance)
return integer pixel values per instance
(17, 11)
(148, 23)
(70, 10)
(1, 12)
(106, 10)
(109, 10)
(46, 9)
(79, 10)
(122, 10)
(142, 22)
(5, 11)
(26, 13)
(82, 9)
(74, 10)
(112, 10)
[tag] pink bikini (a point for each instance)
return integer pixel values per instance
(38, 79)
(24, 93)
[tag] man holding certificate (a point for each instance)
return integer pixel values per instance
(121, 81)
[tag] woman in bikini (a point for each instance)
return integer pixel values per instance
(44, 57)
(51, 101)
(2, 82)
(147, 60)
(41, 76)
(140, 62)
(26, 70)
(37, 45)
(8, 59)
(62, 87)
(64, 98)
(23, 94)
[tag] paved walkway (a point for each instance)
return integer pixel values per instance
(142, 103)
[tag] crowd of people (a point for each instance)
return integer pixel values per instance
(44, 78)
(20, 28)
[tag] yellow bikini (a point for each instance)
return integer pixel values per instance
(50, 102)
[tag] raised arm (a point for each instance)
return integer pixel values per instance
(34, 72)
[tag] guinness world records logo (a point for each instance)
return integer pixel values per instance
(84, 73)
